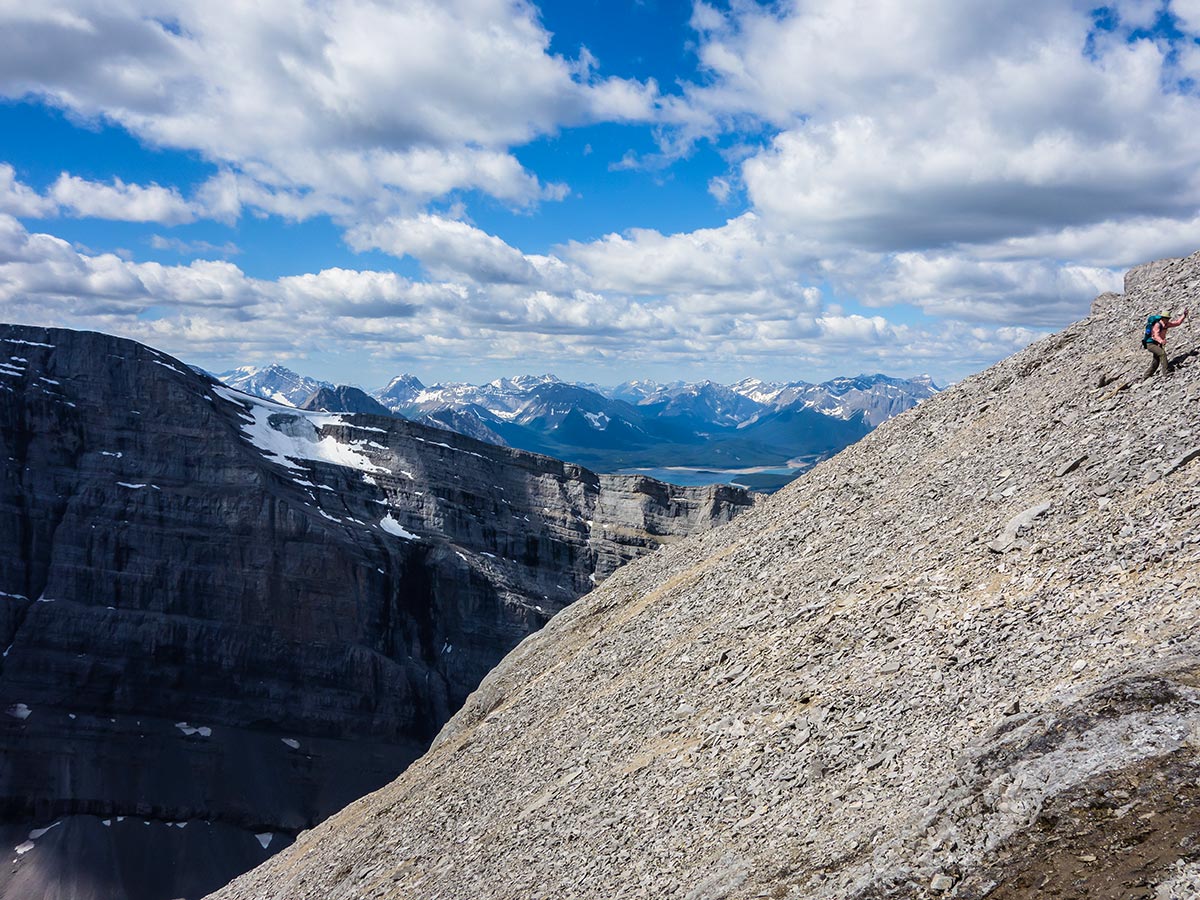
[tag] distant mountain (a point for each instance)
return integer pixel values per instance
(273, 383)
(704, 404)
(878, 397)
(344, 399)
(637, 424)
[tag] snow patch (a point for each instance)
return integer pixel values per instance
(448, 447)
(291, 742)
(14, 596)
(159, 362)
(294, 434)
(26, 343)
(599, 421)
(24, 847)
(117, 454)
(132, 487)
(38, 832)
(19, 711)
(189, 730)
(391, 526)
(265, 838)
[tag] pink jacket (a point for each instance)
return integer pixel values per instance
(1158, 333)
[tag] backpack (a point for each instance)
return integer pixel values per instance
(1150, 323)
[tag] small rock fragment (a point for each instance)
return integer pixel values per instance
(1071, 466)
(941, 883)
(1182, 461)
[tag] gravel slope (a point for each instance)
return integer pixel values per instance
(907, 674)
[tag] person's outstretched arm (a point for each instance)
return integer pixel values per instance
(1179, 321)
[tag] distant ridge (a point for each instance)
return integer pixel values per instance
(639, 424)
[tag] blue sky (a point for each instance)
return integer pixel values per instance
(606, 190)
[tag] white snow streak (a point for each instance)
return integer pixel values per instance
(391, 526)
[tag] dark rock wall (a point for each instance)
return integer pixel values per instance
(210, 649)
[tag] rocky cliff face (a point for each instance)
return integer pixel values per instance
(224, 619)
(959, 659)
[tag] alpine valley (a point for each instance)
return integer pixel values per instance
(710, 431)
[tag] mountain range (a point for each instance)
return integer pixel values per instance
(638, 424)
(959, 660)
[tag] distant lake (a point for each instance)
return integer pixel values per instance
(686, 475)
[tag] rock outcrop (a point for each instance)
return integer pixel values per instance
(223, 619)
(960, 659)
(343, 399)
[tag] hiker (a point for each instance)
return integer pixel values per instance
(1156, 339)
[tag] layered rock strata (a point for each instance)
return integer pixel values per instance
(960, 659)
(223, 619)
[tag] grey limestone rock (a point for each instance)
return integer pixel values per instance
(223, 619)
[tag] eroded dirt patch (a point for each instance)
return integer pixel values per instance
(1113, 838)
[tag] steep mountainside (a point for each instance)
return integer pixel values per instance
(959, 659)
(225, 618)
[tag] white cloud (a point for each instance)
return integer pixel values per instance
(447, 247)
(1030, 292)
(982, 163)
(78, 197)
(19, 199)
(740, 255)
(322, 106)
(216, 309)
(1188, 14)
(120, 202)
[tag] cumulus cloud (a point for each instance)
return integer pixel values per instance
(19, 199)
(216, 309)
(1032, 292)
(906, 126)
(324, 105)
(121, 202)
(78, 197)
(447, 247)
(1187, 13)
(990, 166)
(984, 164)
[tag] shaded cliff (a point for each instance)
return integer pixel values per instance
(226, 618)
(960, 659)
